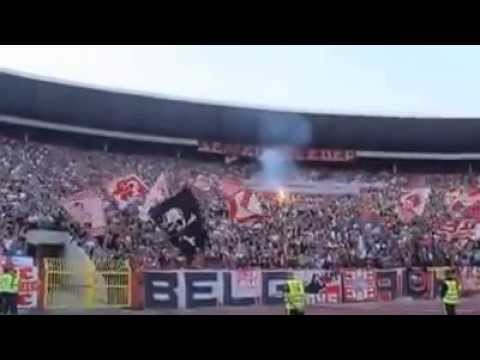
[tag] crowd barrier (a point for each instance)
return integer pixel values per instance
(189, 289)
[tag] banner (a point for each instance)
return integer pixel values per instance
(29, 281)
(86, 207)
(247, 283)
(359, 285)
(321, 187)
(322, 287)
(419, 283)
(413, 204)
(127, 189)
(211, 288)
(470, 280)
(389, 285)
(325, 155)
(158, 193)
(461, 230)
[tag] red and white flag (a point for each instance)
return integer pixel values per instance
(127, 189)
(413, 204)
(230, 187)
(243, 204)
(86, 207)
(158, 193)
(465, 202)
(244, 207)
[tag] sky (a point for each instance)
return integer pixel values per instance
(407, 80)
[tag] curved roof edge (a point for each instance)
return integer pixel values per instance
(67, 105)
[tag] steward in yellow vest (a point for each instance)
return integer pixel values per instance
(4, 277)
(295, 297)
(10, 284)
(450, 293)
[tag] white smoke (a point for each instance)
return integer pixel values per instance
(276, 162)
(277, 167)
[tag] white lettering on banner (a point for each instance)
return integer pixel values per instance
(160, 285)
(273, 287)
(215, 293)
(194, 289)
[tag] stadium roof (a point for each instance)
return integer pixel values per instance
(51, 104)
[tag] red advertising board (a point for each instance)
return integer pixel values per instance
(359, 285)
(389, 284)
(329, 289)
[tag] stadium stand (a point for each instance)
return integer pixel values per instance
(62, 140)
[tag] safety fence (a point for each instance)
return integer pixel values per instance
(85, 284)
(193, 289)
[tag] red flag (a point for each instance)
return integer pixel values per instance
(229, 187)
(413, 204)
(244, 207)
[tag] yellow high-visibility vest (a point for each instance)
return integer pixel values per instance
(453, 292)
(11, 284)
(4, 279)
(296, 295)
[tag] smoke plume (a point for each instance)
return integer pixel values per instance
(277, 164)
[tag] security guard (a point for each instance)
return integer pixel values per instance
(295, 297)
(450, 293)
(11, 284)
(3, 284)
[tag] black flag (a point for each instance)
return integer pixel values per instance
(180, 217)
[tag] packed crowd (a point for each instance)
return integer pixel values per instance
(340, 231)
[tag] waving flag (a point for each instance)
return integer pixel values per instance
(157, 193)
(464, 201)
(243, 204)
(413, 204)
(461, 230)
(180, 217)
(244, 207)
(86, 207)
(127, 189)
